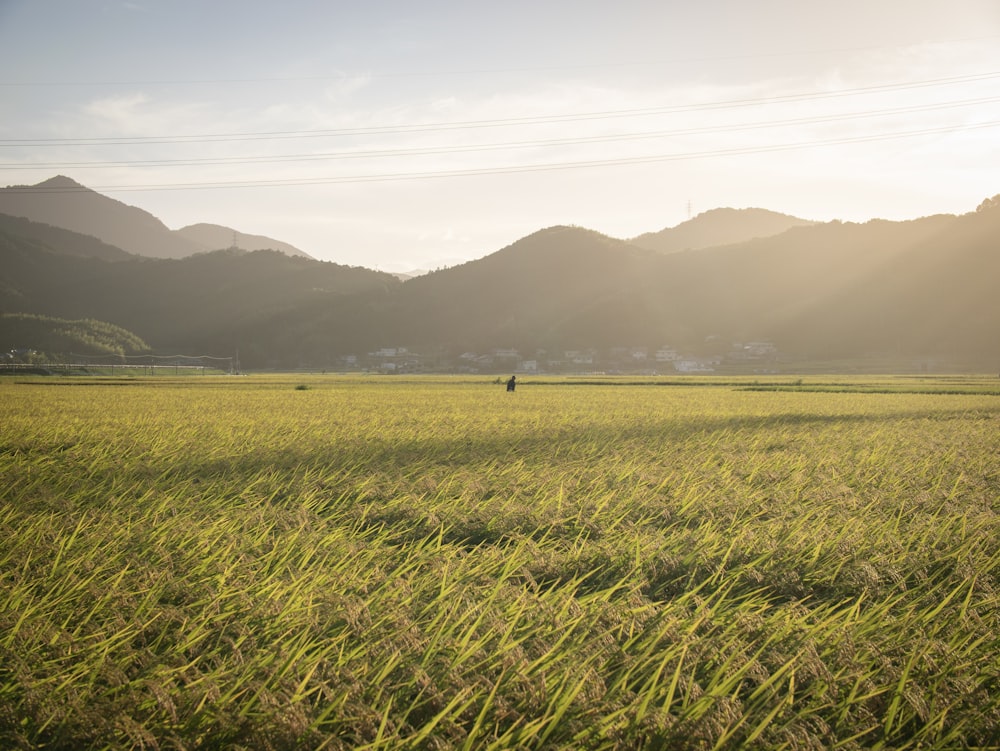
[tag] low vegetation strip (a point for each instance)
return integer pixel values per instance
(431, 564)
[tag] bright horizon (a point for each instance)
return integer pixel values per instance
(402, 136)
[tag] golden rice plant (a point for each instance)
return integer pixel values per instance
(436, 564)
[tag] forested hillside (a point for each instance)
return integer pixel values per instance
(921, 289)
(210, 303)
(48, 337)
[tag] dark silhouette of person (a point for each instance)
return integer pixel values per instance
(511, 383)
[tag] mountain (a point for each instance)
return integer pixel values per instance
(217, 237)
(68, 242)
(760, 288)
(719, 227)
(919, 289)
(63, 202)
(915, 291)
(208, 303)
(559, 287)
(937, 298)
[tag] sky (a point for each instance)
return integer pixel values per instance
(408, 134)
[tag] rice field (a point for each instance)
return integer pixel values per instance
(347, 563)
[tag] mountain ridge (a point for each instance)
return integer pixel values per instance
(721, 226)
(917, 290)
(218, 237)
(62, 202)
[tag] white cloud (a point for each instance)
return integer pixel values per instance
(344, 88)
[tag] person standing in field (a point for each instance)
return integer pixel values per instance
(511, 383)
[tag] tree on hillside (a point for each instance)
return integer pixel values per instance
(58, 336)
(989, 203)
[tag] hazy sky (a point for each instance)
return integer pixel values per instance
(409, 134)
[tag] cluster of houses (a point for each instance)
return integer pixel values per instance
(635, 360)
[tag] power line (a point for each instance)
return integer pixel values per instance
(432, 150)
(510, 169)
(491, 123)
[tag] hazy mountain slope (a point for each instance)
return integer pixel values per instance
(938, 299)
(563, 286)
(202, 301)
(559, 288)
(758, 289)
(923, 287)
(65, 203)
(216, 237)
(61, 240)
(719, 227)
(806, 290)
(30, 269)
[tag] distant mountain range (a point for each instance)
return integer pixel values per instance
(719, 227)
(63, 202)
(217, 237)
(919, 293)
